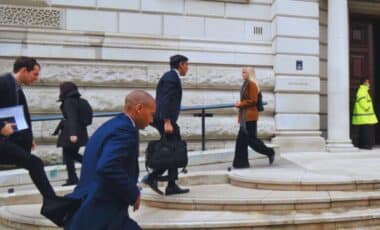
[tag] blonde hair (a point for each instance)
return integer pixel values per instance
(252, 76)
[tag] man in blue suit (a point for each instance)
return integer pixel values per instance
(109, 176)
(168, 100)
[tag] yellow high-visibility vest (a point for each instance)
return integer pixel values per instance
(364, 113)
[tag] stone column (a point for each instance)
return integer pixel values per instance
(296, 65)
(338, 78)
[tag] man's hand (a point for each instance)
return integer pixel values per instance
(8, 130)
(237, 104)
(136, 206)
(168, 127)
(73, 139)
(34, 145)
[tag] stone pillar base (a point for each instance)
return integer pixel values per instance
(340, 146)
(299, 141)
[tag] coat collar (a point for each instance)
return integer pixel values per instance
(128, 119)
(364, 87)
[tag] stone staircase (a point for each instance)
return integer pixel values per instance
(300, 191)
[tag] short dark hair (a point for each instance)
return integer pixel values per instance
(363, 79)
(175, 60)
(26, 62)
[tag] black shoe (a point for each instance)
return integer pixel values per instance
(175, 189)
(241, 166)
(271, 157)
(366, 147)
(70, 182)
(152, 183)
(59, 209)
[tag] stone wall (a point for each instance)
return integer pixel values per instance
(110, 47)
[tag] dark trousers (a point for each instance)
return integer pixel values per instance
(250, 139)
(12, 154)
(365, 139)
(176, 135)
(70, 155)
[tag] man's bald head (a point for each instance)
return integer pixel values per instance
(138, 97)
(140, 106)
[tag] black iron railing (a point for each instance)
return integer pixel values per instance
(200, 112)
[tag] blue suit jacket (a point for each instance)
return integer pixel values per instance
(109, 175)
(169, 96)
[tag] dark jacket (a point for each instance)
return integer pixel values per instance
(71, 125)
(9, 98)
(109, 176)
(169, 97)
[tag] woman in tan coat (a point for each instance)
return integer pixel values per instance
(248, 116)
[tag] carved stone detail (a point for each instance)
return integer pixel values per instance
(30, 16)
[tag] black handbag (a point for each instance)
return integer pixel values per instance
(260, 103)
(165, 154)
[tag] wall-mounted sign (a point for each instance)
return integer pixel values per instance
(299, 65)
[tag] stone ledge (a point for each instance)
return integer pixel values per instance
(141, 75)
(229, 198)
(26, 2)
(28, 217)
(302, 180)
(20, 177)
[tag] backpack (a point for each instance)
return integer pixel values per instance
(85, 112)
(260, 103)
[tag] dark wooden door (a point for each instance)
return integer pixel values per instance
(361, 60)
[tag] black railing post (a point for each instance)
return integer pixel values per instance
(203, 129)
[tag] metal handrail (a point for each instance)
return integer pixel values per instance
(53, 117)
(201, 108)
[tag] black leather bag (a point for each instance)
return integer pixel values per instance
(260, 103)
(165, 154)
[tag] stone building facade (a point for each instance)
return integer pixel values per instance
(110, 47)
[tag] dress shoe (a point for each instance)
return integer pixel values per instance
(175, 189)
(152, 183)
(59, 209)
(271, 157)
(70, 182)
(242, 167)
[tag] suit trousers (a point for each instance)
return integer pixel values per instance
(12, 154)
(245, 139)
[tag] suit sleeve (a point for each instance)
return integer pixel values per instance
(70, 106)
(109, 167)
(251, 100)
(2, 97)
(2, 124)
(168, 99)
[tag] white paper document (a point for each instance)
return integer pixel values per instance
(14, 114)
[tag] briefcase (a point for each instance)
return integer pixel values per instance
(165, 154)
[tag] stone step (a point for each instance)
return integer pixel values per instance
(227, 197)
(218, 159)
(28, 217)
(28, 194)
(299, 179)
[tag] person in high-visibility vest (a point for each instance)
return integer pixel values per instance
(364, 115)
